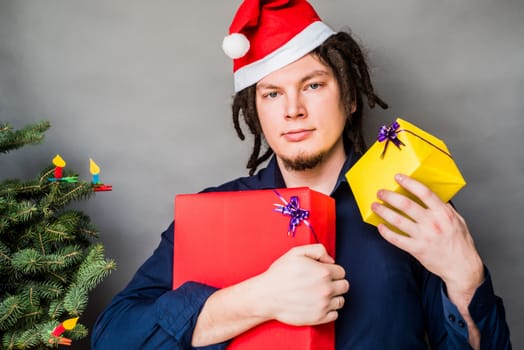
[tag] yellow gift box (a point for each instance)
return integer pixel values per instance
(403, 148)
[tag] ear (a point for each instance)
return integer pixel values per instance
(353, 107)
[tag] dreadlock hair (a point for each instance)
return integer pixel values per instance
(343, 55)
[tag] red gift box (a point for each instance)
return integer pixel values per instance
(222, 238)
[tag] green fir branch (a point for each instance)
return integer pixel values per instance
(28, 262)
(9, 187)
(31, 316)
(11, 309)
(56, 309)
(62, 194)
(15, 212)
(31, 134)
(9, 340)
(20, 189)
(4, 224)
(50, 257)
(91, 272)
(63, 259)
(31, 296)
(28, 339)
(4, 202)
(79, 332)
(68, 225)
(5, 255)
(58, 277)
(90, 233)
(75, 300)
(79, 191)
(43, 179)
(47, 290)
(31, 262)
(95, 268)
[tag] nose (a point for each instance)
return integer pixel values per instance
(294, 106)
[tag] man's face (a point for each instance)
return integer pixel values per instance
(300, 112)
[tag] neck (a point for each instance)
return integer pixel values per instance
(322, 178)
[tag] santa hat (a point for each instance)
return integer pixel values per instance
(266, 35)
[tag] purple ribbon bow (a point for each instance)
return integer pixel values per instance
(297, 214)
(389, 134)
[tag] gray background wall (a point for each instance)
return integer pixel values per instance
(144, 89)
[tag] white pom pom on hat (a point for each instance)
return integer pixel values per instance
(235, 45)
(266, 35)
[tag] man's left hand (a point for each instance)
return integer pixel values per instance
(436, 235)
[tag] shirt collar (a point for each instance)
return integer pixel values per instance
(271, 176)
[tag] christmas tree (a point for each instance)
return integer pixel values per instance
(50, 256)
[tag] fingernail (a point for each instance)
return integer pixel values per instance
(399, 177)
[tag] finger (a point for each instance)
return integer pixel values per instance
(337, 303)
(394, 218)
(340, 287)
(337, 272)
(456, 214)
(403, 204)
(316, 252)
(330, 316)
(421, 191)
(403, 242)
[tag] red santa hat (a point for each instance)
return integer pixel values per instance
(266, 35)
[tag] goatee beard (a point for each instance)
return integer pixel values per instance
(302, 162)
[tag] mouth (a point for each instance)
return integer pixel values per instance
(297, 135)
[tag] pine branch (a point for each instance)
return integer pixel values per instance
(46, 290)
(27, 262)
(95, 268)
(64, 258)
(62, 194)
(80, 191)
(68, 225)
(11, 310)
(31, 262)
(5, 255)
(75, 300)
(19, 212)
(31, 316)
(32, 134)
(9, 340)
(79, 332)
(90, 273)
(49, 256)
(28, 339)
(56, 309)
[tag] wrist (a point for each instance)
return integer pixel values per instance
(462, 287)
(227, 313)
(256, 299)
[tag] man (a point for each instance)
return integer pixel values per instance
(300, 87)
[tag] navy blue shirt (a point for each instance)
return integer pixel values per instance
(393, 301)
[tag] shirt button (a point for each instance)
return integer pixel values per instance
(461, 324)
(451, 318)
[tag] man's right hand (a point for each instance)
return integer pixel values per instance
(303, 287)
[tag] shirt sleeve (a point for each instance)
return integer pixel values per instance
(148, 314)
(449, 329)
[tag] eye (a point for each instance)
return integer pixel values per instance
(314, 86)
(271, 94)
